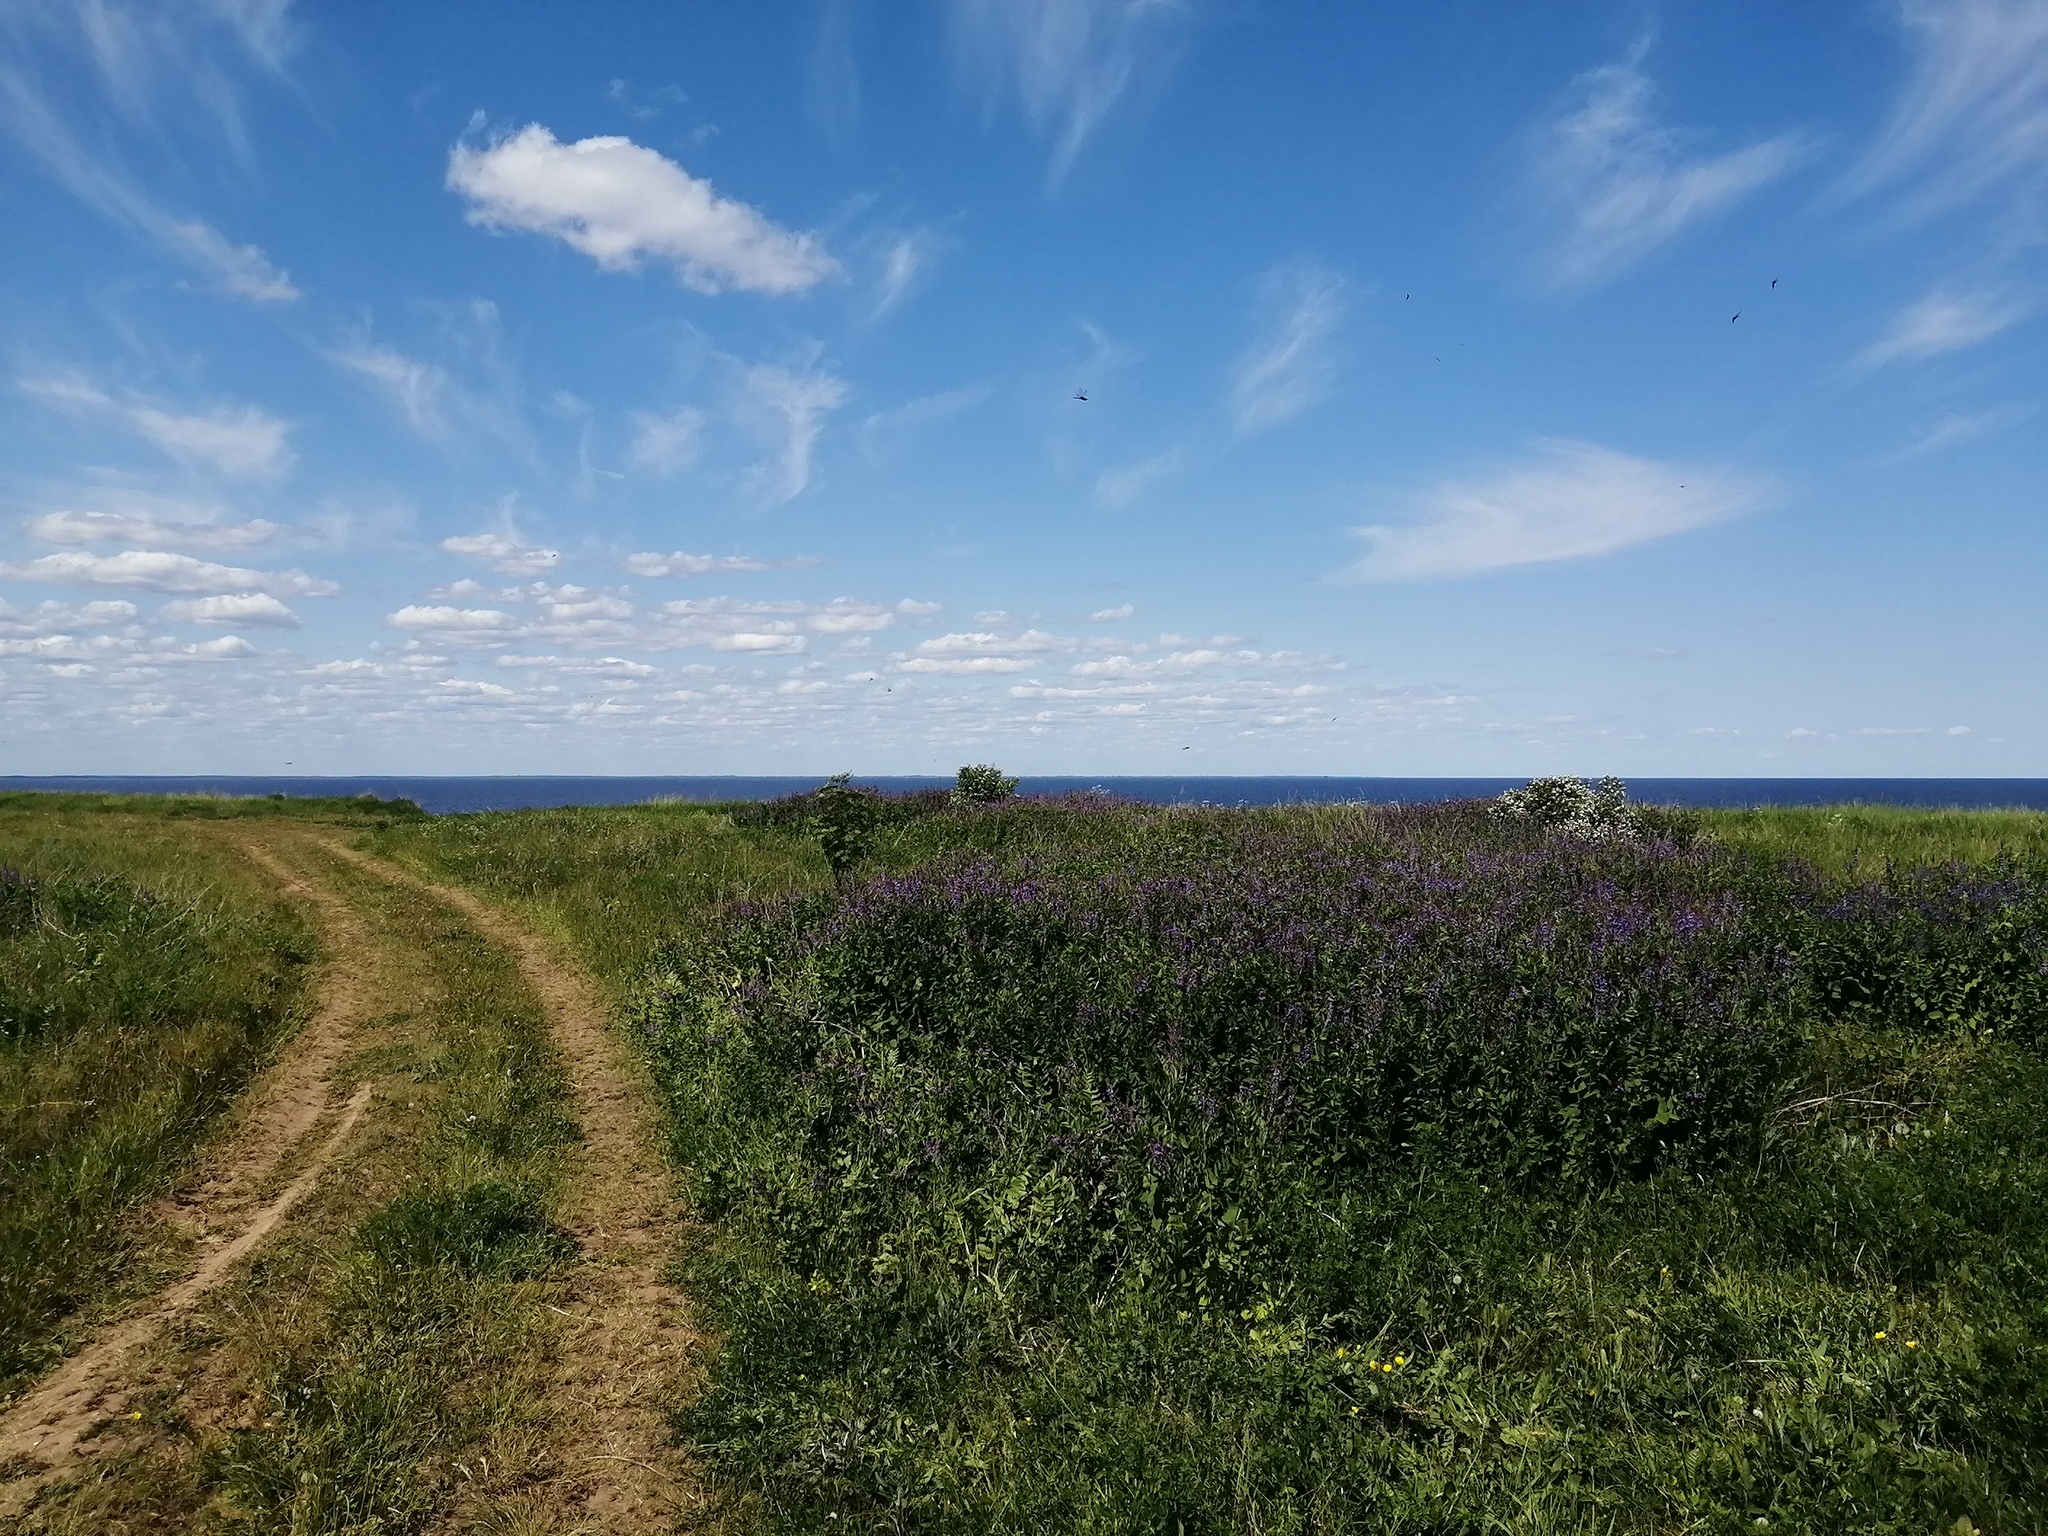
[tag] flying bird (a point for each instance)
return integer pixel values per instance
(1735, 317)
(1774, 282)
(1080, 394)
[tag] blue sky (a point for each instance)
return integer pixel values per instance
(546, 388)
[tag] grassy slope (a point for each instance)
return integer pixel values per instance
(149, 976)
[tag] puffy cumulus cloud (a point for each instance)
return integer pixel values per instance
(128, 649)
(1943, 322)
(51, 617)
(242, 442)
(1568, 501)
(849, 615)
(1613, 184)
(445, 620)
(666, 442)
(962, 666)
(583, 666)
(258, 608)
(918, 609)
(989, 643)
(678, 563)
(151, 570)
(127, 528)
(1182, 663)
(504, 554)
(618, 202)
(1290, 366)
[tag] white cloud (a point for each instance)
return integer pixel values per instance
(787, 410)
(848, 615)
(1974, 113)
(160, 571)
(125, 528)
(985, 643)
(242, 270)
(506, 555)
(442, 618)
(616, 201)
(231, 608)
(240, 441)
(1614, 183)
(760, 643)
(1568, 501)
(882, 431)
(419, 389)
(1953, 429)
(678, 563)
(916, 609)
(245, 443)
(1117, 489)
(1942, 322)
(1107, 615)
(903, 264)
(1069, 61)
(958, 666)
(663, 444)
(1289, 368)
(579, 666)
(50, 617)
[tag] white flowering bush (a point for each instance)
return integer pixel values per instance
(1597, 812)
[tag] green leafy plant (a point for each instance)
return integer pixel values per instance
(983, 784)
(846, 819)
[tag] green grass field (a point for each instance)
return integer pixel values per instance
(1111, 1169)
(144, 975)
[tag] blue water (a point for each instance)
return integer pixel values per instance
(505, 794)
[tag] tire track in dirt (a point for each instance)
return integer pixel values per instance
(632, 1341)
(50, 1421)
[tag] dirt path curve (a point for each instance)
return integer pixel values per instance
(633, 1339)
(48, 1422)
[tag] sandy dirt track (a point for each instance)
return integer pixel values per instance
(50, 1422)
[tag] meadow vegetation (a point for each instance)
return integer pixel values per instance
(1561, 1165)
(1094, 1167)
(144, 975)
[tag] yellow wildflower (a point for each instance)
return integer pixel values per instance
(1879, 1337)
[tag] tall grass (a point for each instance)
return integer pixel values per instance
(616, 882)
(144, 975)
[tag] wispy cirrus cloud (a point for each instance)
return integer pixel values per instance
(786, 408)
(1290, 366)
(1069, 62)
(144, 56)
(440, 407)
(240, 441)
(1973, 115)
(1611, 184)
(1961, 428)
(1567, 501)
(618, 202)
(664, 442)
(1943, 322)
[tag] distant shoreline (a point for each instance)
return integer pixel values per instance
(444, 793)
